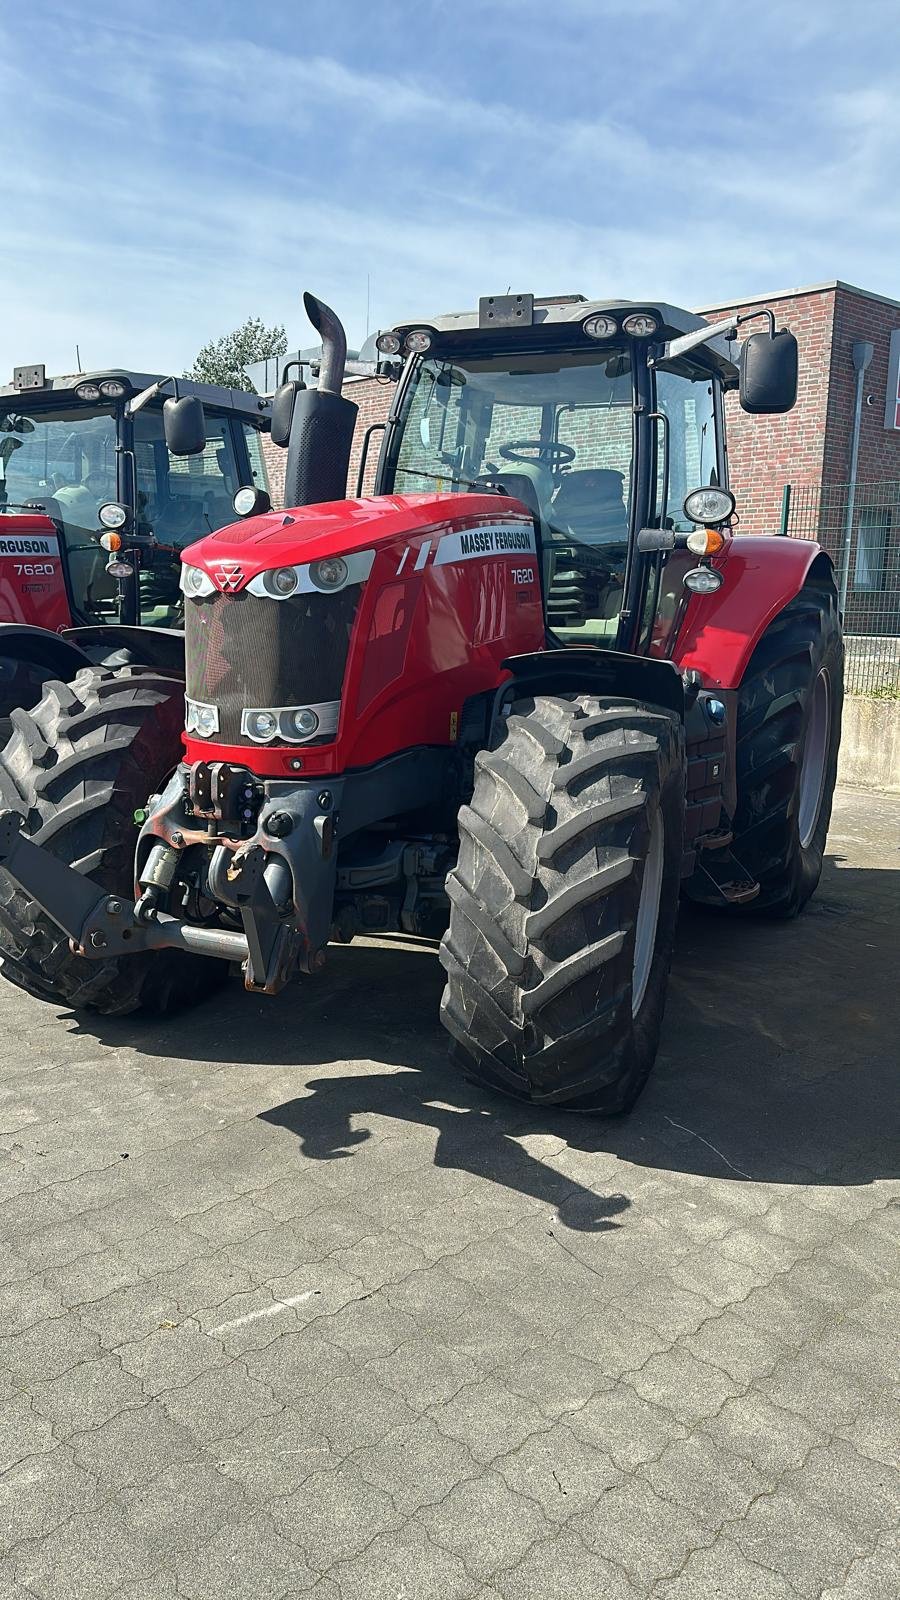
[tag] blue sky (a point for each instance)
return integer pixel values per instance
(172, 168)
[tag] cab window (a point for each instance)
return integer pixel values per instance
(179, 500)
(685, 396)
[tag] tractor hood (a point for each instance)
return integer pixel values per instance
(234, 555)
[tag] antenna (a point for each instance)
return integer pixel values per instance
(78, 366)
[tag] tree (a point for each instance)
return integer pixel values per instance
(226, 359)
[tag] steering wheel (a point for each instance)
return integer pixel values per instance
(553, 455)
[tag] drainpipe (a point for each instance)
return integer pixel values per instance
(862, 355)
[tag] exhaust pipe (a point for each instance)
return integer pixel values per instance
(322, 421)
(334, 343)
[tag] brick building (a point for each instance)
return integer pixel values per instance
(809, 447)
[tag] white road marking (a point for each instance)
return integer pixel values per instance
(267, 1311)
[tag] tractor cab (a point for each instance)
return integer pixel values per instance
(71, 446)
(592, 415)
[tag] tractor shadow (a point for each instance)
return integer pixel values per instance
(777, 1064)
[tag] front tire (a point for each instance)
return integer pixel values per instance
(77, 767)
(788, 736)
(564, 900)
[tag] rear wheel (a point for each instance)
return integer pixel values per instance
(788, 735)
(77, 767)
(564, 901)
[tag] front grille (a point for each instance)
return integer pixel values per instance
(243, 650)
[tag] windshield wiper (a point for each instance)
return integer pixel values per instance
(439, 477)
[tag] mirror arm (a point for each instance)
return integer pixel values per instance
(146, 395)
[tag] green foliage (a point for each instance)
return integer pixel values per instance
(225, 360)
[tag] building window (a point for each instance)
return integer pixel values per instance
(870, 571)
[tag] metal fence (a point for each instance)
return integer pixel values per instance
(859, 526)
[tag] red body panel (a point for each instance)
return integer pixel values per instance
(430, 632)
(720, 631)
(32, 586)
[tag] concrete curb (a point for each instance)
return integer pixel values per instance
(870, 744)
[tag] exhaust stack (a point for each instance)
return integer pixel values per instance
(322, 421)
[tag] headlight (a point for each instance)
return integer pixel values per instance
(709, 506)
(195, 582)
(112, 515)
(703, 580)
(281, 582)
(88, 391)
(641, 325)
(251, 501)
(388, 344)
(417, 342)
(200, 718)
(303, 723)
(113, 389)
(260, 725)
(120, 569)
(329, 573)
(601, 327)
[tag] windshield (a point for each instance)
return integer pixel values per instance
(556, 432)
(64, 458)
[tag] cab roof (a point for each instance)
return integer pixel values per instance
(557, 311)
(249, 405)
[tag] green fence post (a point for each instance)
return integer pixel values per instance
(785, 508)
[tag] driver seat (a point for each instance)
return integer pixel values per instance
(589, 506)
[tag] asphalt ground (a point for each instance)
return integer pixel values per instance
(287, 1308)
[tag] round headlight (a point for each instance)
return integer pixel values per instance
(417, 342)
(388, 344)
(282, 582)
(709, 506)
(601, 327)
(329, 573)
(641, 325)
(251, 501)
(120, 569)
(206, 721)
(303, 722)
(193, 580)
(112, 515)
(262, 724)
(703, 580)
(113, 388)
(88, 391)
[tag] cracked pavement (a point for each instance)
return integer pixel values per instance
(288, 1309)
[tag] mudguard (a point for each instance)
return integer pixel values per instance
(40, 647)
(762, 575)
(162, 648)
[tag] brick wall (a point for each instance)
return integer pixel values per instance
(764, 453)
(859, 317)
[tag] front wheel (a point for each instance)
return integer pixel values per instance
(76, 768)
(564, 900)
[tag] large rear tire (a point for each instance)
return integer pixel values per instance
(564, 900)
(788, 735)
(77, 767)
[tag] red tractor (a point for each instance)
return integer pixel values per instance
(96, 455)
(524, 697)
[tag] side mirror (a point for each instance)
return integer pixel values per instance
(283, 412)
(768, 366)
(184, 426)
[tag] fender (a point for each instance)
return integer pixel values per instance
(762, 575)
(597, 672)
(151, 647)
(42, 648)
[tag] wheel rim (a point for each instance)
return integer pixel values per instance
(648, 914)
(814, 764)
